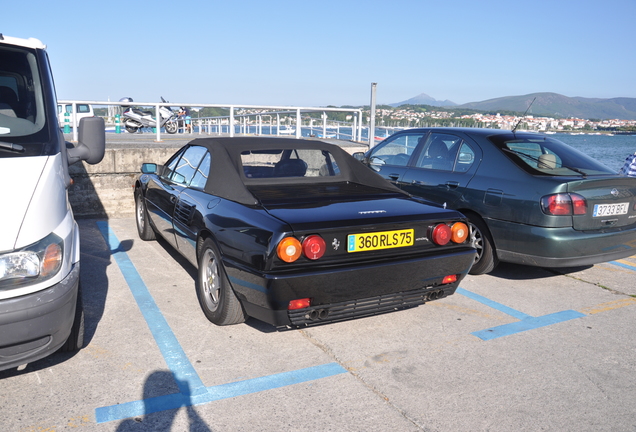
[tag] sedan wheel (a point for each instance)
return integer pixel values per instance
(216, 297)
(486, 260)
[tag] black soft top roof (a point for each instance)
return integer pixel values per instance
(227, 179)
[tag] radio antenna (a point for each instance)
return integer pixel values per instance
(524, 115)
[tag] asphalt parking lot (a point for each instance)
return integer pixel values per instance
(521, 349)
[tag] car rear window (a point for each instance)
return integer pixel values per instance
(288, 163)
(541, 155)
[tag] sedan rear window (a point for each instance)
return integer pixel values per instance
(547, 156)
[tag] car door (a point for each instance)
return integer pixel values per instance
(195, 168)
(161, 197)
(391, 157)
(442, 169)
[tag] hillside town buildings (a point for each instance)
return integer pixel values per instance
(410, 117)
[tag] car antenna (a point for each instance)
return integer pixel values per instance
(523, 116)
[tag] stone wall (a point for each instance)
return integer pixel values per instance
(105, 190)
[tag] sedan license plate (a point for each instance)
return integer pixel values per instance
(380, 240)
(610, 209)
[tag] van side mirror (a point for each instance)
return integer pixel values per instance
(91, 142)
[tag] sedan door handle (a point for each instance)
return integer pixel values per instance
(394, 177)
(452, 184)
(173, 199)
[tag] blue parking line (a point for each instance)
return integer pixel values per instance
(191, 389)
(224, 391)
(529, 323)
(526, 322)
(176, 359)
(627, 266)
(493, 304)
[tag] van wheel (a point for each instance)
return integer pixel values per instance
(75, 340)
(141, 217)
(486, 259)
(216, 297)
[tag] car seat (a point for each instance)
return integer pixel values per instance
(290, 168)
(8, 101)
(547, 161)
(438, 152)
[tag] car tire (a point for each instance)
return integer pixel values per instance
(75, 340)
(486, 259)
(146, 232)
(216, 297)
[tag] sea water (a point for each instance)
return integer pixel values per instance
(611, 151)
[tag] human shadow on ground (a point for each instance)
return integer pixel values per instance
(159, 406)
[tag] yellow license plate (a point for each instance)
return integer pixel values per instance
(379, 240)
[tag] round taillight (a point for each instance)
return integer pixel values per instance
(314, 247)
(441, 234)
(459, 232)
(289, 249)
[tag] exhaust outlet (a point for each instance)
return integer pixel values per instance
(323, 313)
(313, 315)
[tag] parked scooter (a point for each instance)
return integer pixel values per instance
(134, 119)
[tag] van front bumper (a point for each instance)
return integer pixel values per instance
(36, 325)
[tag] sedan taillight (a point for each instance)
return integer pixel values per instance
(564, 204)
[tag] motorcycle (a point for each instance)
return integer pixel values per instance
(134, 119)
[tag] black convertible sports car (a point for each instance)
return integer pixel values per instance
(298, 232)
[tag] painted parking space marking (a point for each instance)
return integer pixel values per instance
(192, 391)
(607, 306)
(526, 322)
(215, 393)
(167, 342)
(625, 264)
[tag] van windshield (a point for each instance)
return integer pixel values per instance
(22, 113)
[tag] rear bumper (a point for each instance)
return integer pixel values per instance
(351, 292)
(36, 325)
(559, 247)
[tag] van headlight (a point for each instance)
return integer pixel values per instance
(32, 264)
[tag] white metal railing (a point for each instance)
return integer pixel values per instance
(293, 115)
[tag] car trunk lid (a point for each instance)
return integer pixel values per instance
(610, 201)
(332, 206)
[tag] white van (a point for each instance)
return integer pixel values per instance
(81, 110)
(40, 296)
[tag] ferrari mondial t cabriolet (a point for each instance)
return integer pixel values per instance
(298, 232)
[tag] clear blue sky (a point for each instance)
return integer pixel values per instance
(328, 52)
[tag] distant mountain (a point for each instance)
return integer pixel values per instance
(556, 105)
(424, 99)
(546, 104)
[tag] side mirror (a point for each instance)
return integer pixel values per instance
(91, 142)
(359, 156)
(148, 168)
